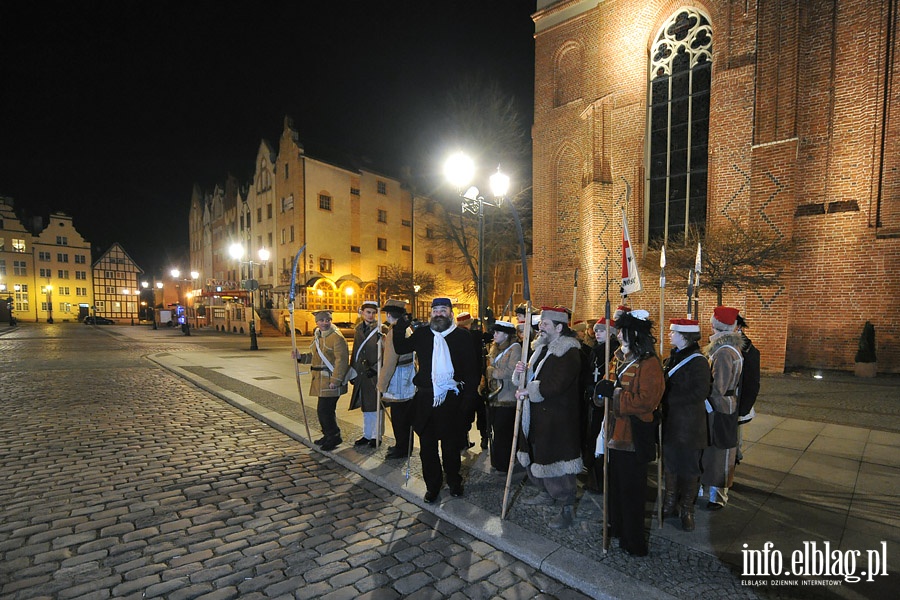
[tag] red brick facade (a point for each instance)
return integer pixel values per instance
(804, 138)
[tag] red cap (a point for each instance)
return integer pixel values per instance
(724, 318)
(684, 325)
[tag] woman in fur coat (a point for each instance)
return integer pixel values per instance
(632, 400)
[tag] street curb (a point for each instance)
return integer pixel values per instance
(563, 564)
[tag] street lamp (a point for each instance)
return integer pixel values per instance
(49, 290)
(236, 250)
(349, 292)
(460, 170)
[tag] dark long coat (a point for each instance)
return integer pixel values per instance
(684, 409)
(365, 361)
(448, 417)
(550, 422)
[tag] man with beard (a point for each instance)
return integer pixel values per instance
(549, 447)
(447, 381)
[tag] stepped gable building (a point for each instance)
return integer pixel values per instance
(356, 222)
(44, 269)
(62, 268)
(780, 113)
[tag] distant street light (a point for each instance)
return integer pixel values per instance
(236, 250)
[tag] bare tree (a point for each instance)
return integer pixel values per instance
(397, 282)
(734, 255)
(482, 120)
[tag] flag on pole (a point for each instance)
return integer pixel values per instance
(662, 268)
(631, 279)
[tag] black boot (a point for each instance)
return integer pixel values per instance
(564, 519)
(670, 500)
(689, 489)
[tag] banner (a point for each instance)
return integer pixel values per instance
(631, 279)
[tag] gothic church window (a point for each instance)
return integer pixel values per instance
(680, 69)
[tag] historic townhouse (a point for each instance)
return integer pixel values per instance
(355, 223)
(781, 113)
(16, 264)
(116, 285)
(62, 261)
(45, 276)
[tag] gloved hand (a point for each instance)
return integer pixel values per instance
(604, 388)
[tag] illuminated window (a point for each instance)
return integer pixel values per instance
(681, 61)
(18, 245)
(325, 265)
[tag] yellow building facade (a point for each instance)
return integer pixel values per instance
(45, 276)
(356, 226)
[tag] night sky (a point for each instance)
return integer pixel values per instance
(110, 111)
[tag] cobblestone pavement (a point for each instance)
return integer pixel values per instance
(118, 479)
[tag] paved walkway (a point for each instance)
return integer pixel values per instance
(803, 484)
(120, 480)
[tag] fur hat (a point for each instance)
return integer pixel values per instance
(441, 302)
(394, 306)
(635, 320)
(504, 327)
(724, 318)
(684, 325)
(464, 318)
(555, 314)
(579, 326)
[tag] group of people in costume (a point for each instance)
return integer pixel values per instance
(587, 410)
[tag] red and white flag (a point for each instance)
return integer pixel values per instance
(631, 279)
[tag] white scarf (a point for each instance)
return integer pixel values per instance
(442, 367)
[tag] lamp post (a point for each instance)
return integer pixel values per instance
(195, 275)
(49, 290)
(236, 251)
(460, 170)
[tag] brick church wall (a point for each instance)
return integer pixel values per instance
(804, 126)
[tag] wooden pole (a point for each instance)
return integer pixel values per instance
(518, 419)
